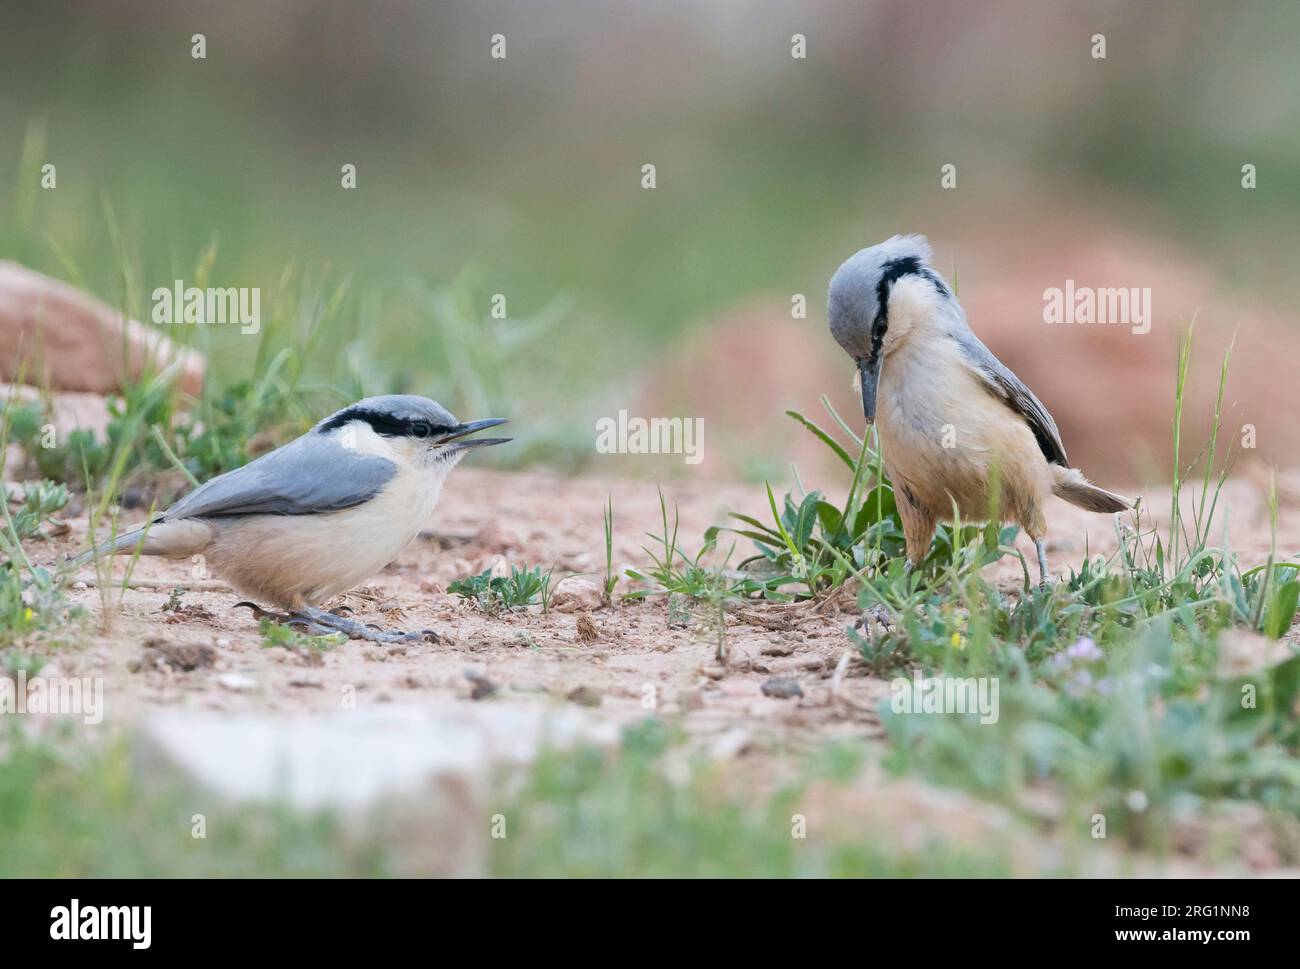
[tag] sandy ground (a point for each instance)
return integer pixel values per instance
(644, 658)
(641, 660)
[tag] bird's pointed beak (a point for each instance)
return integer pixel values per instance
(869, 371)
(469, 427)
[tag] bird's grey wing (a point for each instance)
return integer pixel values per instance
(1008, 387)
(305, 477)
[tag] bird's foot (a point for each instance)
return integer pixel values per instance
(313, 620)
(318, 622)
(873, 618)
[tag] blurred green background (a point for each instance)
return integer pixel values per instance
(522, 176)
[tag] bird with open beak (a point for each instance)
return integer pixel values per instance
(957, 429)
(314, 518)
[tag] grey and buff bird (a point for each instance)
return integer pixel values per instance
(312, 519)
(957, 428)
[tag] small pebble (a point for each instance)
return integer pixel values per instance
(782, 688)
(481, 686)
(584, 696)
(236, 682)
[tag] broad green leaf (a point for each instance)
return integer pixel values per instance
(1282, 609)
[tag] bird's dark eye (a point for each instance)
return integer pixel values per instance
(421, 430)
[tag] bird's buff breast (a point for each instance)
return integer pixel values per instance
(945, 438)
(292, 560)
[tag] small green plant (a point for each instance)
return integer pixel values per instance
(73, 457)
(678, 577)
(503, 593)
(1282, 609)
(30, 596)
(275, 634)
(672, 572)
(16, 661)
(40, 500)
(611, 579)
(60, 460)
(30, 600)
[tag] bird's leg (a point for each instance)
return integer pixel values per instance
(918, 526)
(1042, 560)
(354, 629)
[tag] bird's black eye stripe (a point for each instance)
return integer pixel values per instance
(427, 429)
(386, 424)
(895, 270)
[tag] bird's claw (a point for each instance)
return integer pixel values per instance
(392, 636)
(369, 632)
(260, 613)
(307, 626)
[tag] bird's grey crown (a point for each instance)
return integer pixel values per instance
(854, 300)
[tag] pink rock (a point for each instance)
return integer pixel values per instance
(71, 341)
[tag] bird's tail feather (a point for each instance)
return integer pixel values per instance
(1070, 484)
(112, 547)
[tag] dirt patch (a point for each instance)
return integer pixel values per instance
(179, 658)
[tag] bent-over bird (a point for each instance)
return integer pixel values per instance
(956, 427)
